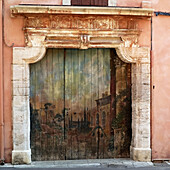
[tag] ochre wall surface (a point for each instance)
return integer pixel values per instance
(14, 36)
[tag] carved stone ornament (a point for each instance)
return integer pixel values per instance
(82, 28)
(80, 22)
(64, 27)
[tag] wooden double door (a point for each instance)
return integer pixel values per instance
(80, 105)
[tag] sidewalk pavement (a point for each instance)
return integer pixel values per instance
(89, 163)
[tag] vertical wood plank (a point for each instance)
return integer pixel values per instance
(75, 101)
(61, 146)
(90, 2)
(68, 97)
(99, 3)
(55, 87)
(90, 116)
(50, 100)
(36, 114)
(101, 94)
(87, 96)
(95, 96)
(38, 107)
(82, 143)
(96, 2)
(33, 105)
(113, 96)
(74, 2)
(106, 112)
(105, 2)
(86, 2)
(43, 102)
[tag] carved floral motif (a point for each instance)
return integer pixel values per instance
(80, 22)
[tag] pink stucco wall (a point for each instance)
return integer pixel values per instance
(129, 3)
(13, 36)
(160, 70)
(160, 114)
(161, 81)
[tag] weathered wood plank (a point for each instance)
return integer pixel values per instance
(44, 100)
(32, 105)
(101, 94)
(86, 2)
(106, 114)
(68, 97)
(95, 96)
(81, 137)
(61, 111)
(38, 105)
(56, 96)
(75, 103)
(50, 114)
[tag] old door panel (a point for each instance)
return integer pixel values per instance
(80, 105)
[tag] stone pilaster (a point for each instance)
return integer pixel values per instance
(21, 153)
(140, 146)
(139, 57)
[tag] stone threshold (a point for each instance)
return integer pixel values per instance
(88, 163)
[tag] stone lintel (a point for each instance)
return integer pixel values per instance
(81, 10)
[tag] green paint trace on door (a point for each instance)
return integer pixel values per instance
(80, 105)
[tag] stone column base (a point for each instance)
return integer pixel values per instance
(21, 157)
(140, 154)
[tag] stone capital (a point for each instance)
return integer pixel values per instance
(23, 55)
(134, 54)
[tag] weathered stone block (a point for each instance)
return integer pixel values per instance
(145, 68)
(21, 88)
(21, 72)
(20, 135)
(20, 83)
(20, 115)
(141, 154)
(21, 157)
(21, 91)
(20, 101)
(20, 109)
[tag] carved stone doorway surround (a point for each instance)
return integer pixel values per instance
(83, 28)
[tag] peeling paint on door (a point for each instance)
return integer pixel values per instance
(80, 105)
